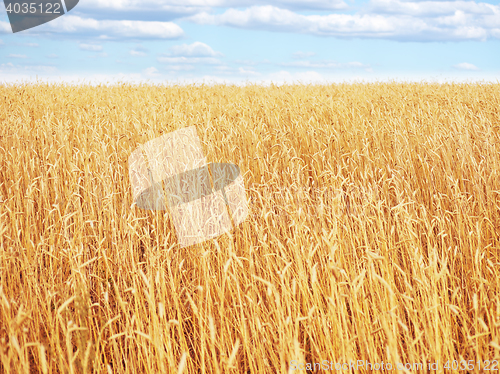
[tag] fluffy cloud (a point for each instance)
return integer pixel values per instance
(190, 6)
(14, 55)
(189, 60)
(133, 52)
(197, 49)
(90, 47)
(325, 65)
(169, 10)
(465, 66)
(472, 22)
(431, 8)
(148, 10)
(259, 17)
(186, 56)
(5, 28)
(383, 19)
(308, 4)
(70, 25)
(151, 71)
(248, 72)
(139, 51)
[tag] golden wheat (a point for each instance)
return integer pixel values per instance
(374, 232)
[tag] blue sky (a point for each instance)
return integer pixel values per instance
(237, 41)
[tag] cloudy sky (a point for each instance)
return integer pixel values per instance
(258, 41)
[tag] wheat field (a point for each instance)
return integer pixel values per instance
(373, 237)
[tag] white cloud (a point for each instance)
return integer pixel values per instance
(90, 47)
(184, 56)
(108, 29)
(26, 69)
(325, 64)
(197, 49)
(151, 71)
(15, 55)
(465, 66)
(140, 5)
(139, 50)
(267, 16)
(5, 28)
(308, 4)
(400, 20)
(469, 23)
(134, 52)
(431, 8)
(189, 60)
(223, 68)
(240, 71)
(248, 72)
(190, 6)
(52, 55)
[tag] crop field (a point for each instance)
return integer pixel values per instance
(373, 236)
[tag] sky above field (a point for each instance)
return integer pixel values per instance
(237, 41)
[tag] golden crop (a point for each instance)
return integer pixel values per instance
(374, 231)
